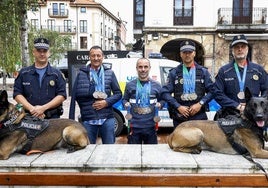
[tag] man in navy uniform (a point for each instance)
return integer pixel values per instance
(142, 96)
(234, 77)
(40, 88)
(191, 85)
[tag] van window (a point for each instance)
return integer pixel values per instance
(164, 74)
(108, 65)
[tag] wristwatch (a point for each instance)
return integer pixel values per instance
(201, 102)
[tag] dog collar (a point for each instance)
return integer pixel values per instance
(12, 117)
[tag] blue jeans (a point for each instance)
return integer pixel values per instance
(106, 131)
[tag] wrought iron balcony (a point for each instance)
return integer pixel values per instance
(230, 16)
(58, 13)
(71, 30)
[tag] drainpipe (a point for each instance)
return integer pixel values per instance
(213, 58)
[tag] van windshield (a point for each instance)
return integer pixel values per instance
(164, 74)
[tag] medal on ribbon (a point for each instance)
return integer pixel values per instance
(98, 77)
(189, 83)
(143, 93)
(241, 94)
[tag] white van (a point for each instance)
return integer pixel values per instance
(125, 71)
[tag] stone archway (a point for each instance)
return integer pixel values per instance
(171, 50)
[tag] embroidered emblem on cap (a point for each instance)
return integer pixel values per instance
(41, 43)
(239, 39)
(187, 46)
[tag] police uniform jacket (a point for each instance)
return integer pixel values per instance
(204, 87)
(83, 90)
(227, 84)
(142, 120)
(27, 84)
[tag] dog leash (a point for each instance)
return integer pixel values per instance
(249, 158)
(237, 147)
(243, 151)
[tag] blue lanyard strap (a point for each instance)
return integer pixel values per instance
(241, 81)
(189, 79)
(143, 93)
(98, 78)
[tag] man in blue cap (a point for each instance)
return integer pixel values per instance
(234, 77)
(191, 85)
(40, 88)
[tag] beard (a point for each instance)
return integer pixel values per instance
(240, 57)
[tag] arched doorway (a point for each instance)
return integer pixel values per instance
(171, 50)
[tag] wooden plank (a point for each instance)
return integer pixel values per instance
(131, 179)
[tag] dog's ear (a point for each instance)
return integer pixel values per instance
(248, 94)
(3, 96)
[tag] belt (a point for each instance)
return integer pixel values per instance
(152, 101)
(142, 110)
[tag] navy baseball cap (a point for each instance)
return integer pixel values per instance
(41, 43)
(187, 46)
(239, 39)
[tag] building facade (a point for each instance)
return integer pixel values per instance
(211, 24)
(86, 21)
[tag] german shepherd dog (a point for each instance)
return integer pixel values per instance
(193, 136)
(59, 133)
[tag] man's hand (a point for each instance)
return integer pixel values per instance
(99, 104)
(195, 108)
(127, 104)
(38, 111)
(184, 110)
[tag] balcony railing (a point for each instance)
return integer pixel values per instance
(58, 13)
(61, 29)
(254, 17)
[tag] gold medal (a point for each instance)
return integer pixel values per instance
(194, 96)
(255, 77)
(241, 95)
(51, 83)
(181, 81)
(190, 97)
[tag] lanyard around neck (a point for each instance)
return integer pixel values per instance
(143, 93)
(189, 79)
(241, 81)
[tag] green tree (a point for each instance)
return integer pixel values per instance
(14, 33)
(10, 51)
(59, 44)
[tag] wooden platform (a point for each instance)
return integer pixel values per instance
(131, 165)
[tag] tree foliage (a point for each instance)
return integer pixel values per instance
(59, 44)
(14, 33)
(9, 35)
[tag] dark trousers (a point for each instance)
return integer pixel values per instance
(199, 116)
(142, 136)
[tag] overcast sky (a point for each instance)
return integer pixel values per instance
(125, 10)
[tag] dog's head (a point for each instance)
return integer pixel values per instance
(256, 109)
(4, 104)
(9, 110)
